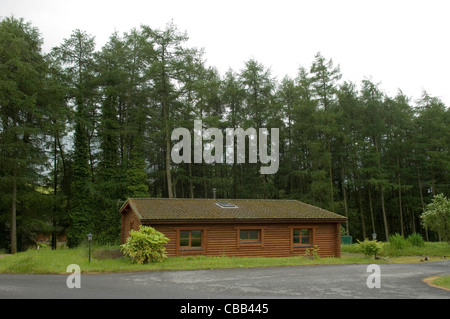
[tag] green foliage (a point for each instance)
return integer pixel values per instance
(416, 240)
(76, 54)
(137, 179)
(437, 216)
(397, 241)
(370, 247)
(145, 245)
(312, 253)
(23, 110)
(91, 127)
(108, 260)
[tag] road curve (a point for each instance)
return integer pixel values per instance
(399, 281)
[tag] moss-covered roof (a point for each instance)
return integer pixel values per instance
(210, 209)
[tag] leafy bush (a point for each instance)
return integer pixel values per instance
(397, 241)
(145, 245)
(370, 247)
(416, 240)
(437, 216)
(312, 253)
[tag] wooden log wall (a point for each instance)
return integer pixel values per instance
(276, 240)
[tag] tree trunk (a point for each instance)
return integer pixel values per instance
(205, 186)
(13, 214)
(344, 194)
(167, 159)
(191, 184)
(384, 214)
(371, 211)
(361, 212)
(165, 107)
(235, 181)
(400, 198)
(55, 191)
(168, 172)
(421, 199)
(383, 209)
(331, 177)
(174, 184)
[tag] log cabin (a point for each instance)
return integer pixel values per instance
(236, 227)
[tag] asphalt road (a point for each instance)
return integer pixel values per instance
(398, 281)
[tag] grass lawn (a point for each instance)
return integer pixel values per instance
(443, 282)
(409, 252)
(109, 259)
(46, 261)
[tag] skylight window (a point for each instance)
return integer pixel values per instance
(226, 205)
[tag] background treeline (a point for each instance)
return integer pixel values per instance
(81, 130)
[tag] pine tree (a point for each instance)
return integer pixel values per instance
(375, 132)
(288, 96)
(55, 125)
(347, 151)
(22, 73)
(110, 181)
(259, 103)
(232, 97)
(304, 136)
(76, 55)
(324, 77)
(399, 116)
(166, 65)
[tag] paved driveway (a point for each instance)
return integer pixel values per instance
(403, 281)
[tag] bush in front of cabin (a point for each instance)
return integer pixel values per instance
(312, 253)
(145, 245)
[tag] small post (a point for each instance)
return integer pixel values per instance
(89, 240)
(214, 193)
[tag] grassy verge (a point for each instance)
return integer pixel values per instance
(430, 249)
(109, 259)
(443, 282)
(434, 251)
(46, 261)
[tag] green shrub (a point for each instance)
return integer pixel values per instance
(397, 241)
(145, 245)
(312, 253)
(416, 240)
(370, 247)
(437, 216)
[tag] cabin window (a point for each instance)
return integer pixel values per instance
(250, 235)
(190, 239)
(302, 236)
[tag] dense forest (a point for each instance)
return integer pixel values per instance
(83, 129)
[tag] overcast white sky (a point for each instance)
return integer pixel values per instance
(402, 44)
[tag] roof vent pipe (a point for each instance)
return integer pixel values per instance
(214, 193)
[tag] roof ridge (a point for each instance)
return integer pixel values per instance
(151, 208)
(220, 199)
